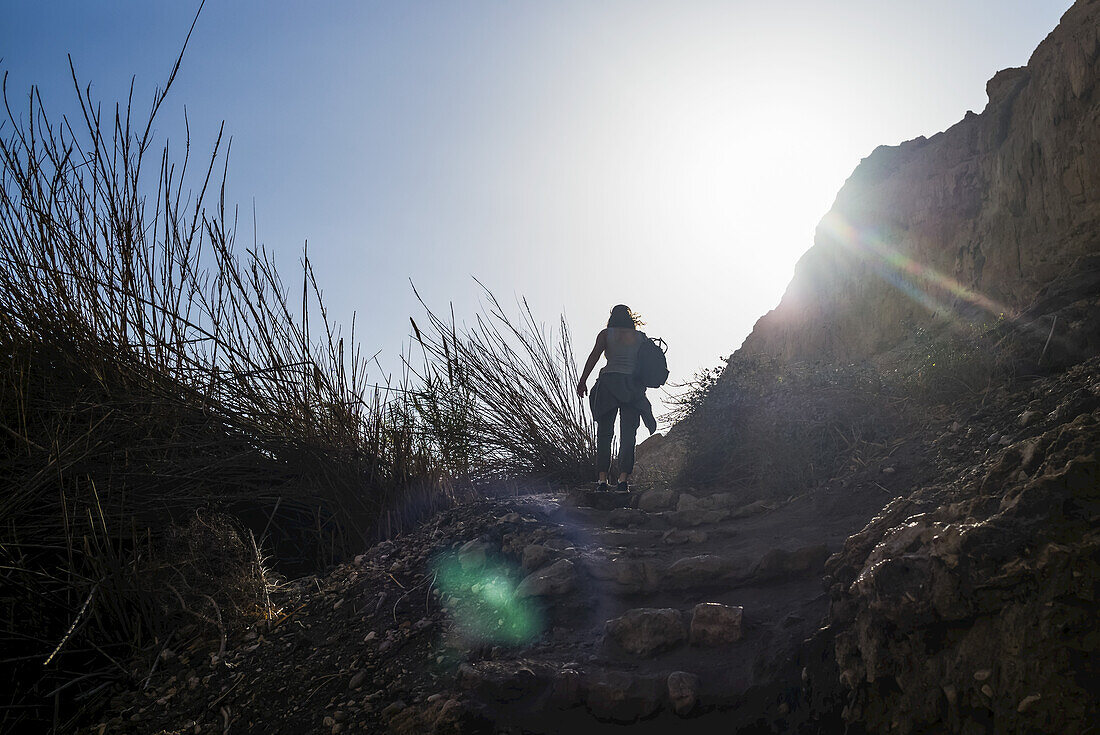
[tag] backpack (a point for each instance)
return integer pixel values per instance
(651, 369)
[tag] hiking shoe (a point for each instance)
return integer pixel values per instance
(602, 487)
(622, 487)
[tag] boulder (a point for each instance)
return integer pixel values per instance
(535, 557)
(502, 681)
(714, 624)
(556, 579)
(687, 501)
(647, 631)
(683, 691)
(720, 500)
(697, 571)
(629, 576)
(474, 554)
(657, 499)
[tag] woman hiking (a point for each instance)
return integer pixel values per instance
(617, 391)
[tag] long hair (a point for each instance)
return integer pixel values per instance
(622, 316)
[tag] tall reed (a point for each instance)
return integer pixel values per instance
(151, 374)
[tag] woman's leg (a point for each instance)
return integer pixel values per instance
(629, 418)
(605, 428)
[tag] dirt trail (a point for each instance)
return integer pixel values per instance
(474, 623)
(763, 558)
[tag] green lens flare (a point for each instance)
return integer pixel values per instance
(481, 600)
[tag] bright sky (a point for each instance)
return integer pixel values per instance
(674, 156)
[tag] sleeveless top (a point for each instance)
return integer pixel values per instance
(622, 355)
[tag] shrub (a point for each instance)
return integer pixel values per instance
(774, 428)
(499, 401)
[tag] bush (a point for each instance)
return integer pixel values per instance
(938, 365)
(775, 429)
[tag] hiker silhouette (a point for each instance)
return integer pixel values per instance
(618, 390)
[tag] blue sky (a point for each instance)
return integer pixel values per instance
(675, 156)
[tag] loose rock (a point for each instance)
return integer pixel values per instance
(714, 624)
(657, 499)
(647, 631)
(536, 556)
(697, 571)
(683, 691)
(618, 696)
(556, 579)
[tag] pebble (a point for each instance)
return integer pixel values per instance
(982, 674)
(357, 680)
(393, 708)
(1026, 702)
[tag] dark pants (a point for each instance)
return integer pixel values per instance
(628, 429)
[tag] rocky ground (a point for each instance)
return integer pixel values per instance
(967, 604)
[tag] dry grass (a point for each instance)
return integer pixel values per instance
(499, 400)
(151, 373)
(776, 429)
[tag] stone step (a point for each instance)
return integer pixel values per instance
(638, 576)
(632, 576)
(647, 631)
(599, 499)
(527, 687)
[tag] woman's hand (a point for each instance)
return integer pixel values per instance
(582, 389)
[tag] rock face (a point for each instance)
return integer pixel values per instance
(976, 220)
(976, 603)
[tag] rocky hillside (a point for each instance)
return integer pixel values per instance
(980, 220)
(892, 526)
(970, 604)
(965, 605)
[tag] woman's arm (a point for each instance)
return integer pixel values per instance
(601, 345)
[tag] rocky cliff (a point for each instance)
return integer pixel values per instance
(977, 221)
(969, 603)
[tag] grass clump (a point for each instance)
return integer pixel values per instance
(165, 403)
(498, 399)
